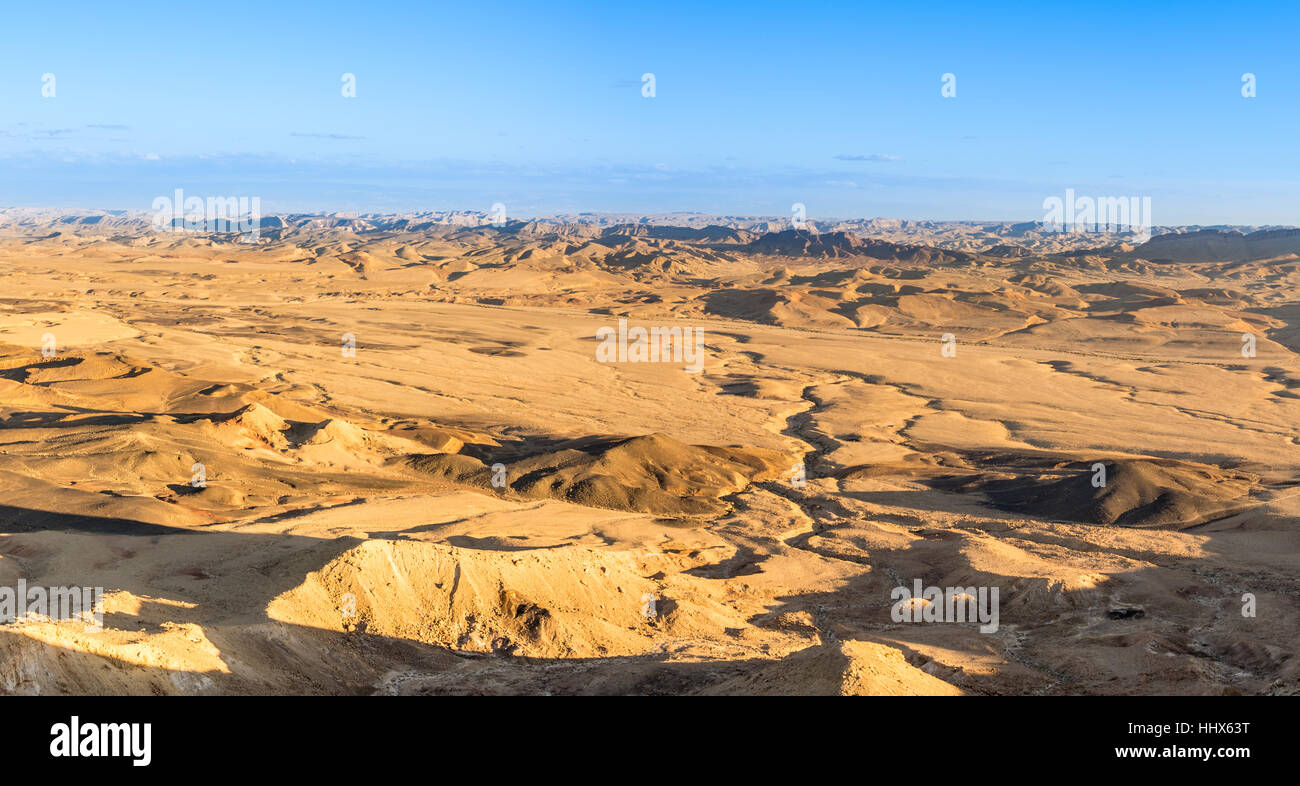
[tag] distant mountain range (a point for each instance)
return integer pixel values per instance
(920, 241)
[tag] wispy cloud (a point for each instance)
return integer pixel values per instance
(325, 136)
(343, 177)
(867, 157)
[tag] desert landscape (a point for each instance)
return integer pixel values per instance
(383, 454)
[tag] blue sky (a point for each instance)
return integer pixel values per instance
(757, 106)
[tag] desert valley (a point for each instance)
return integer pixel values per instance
(381, 454)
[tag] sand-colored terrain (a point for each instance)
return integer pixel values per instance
(418, 478)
